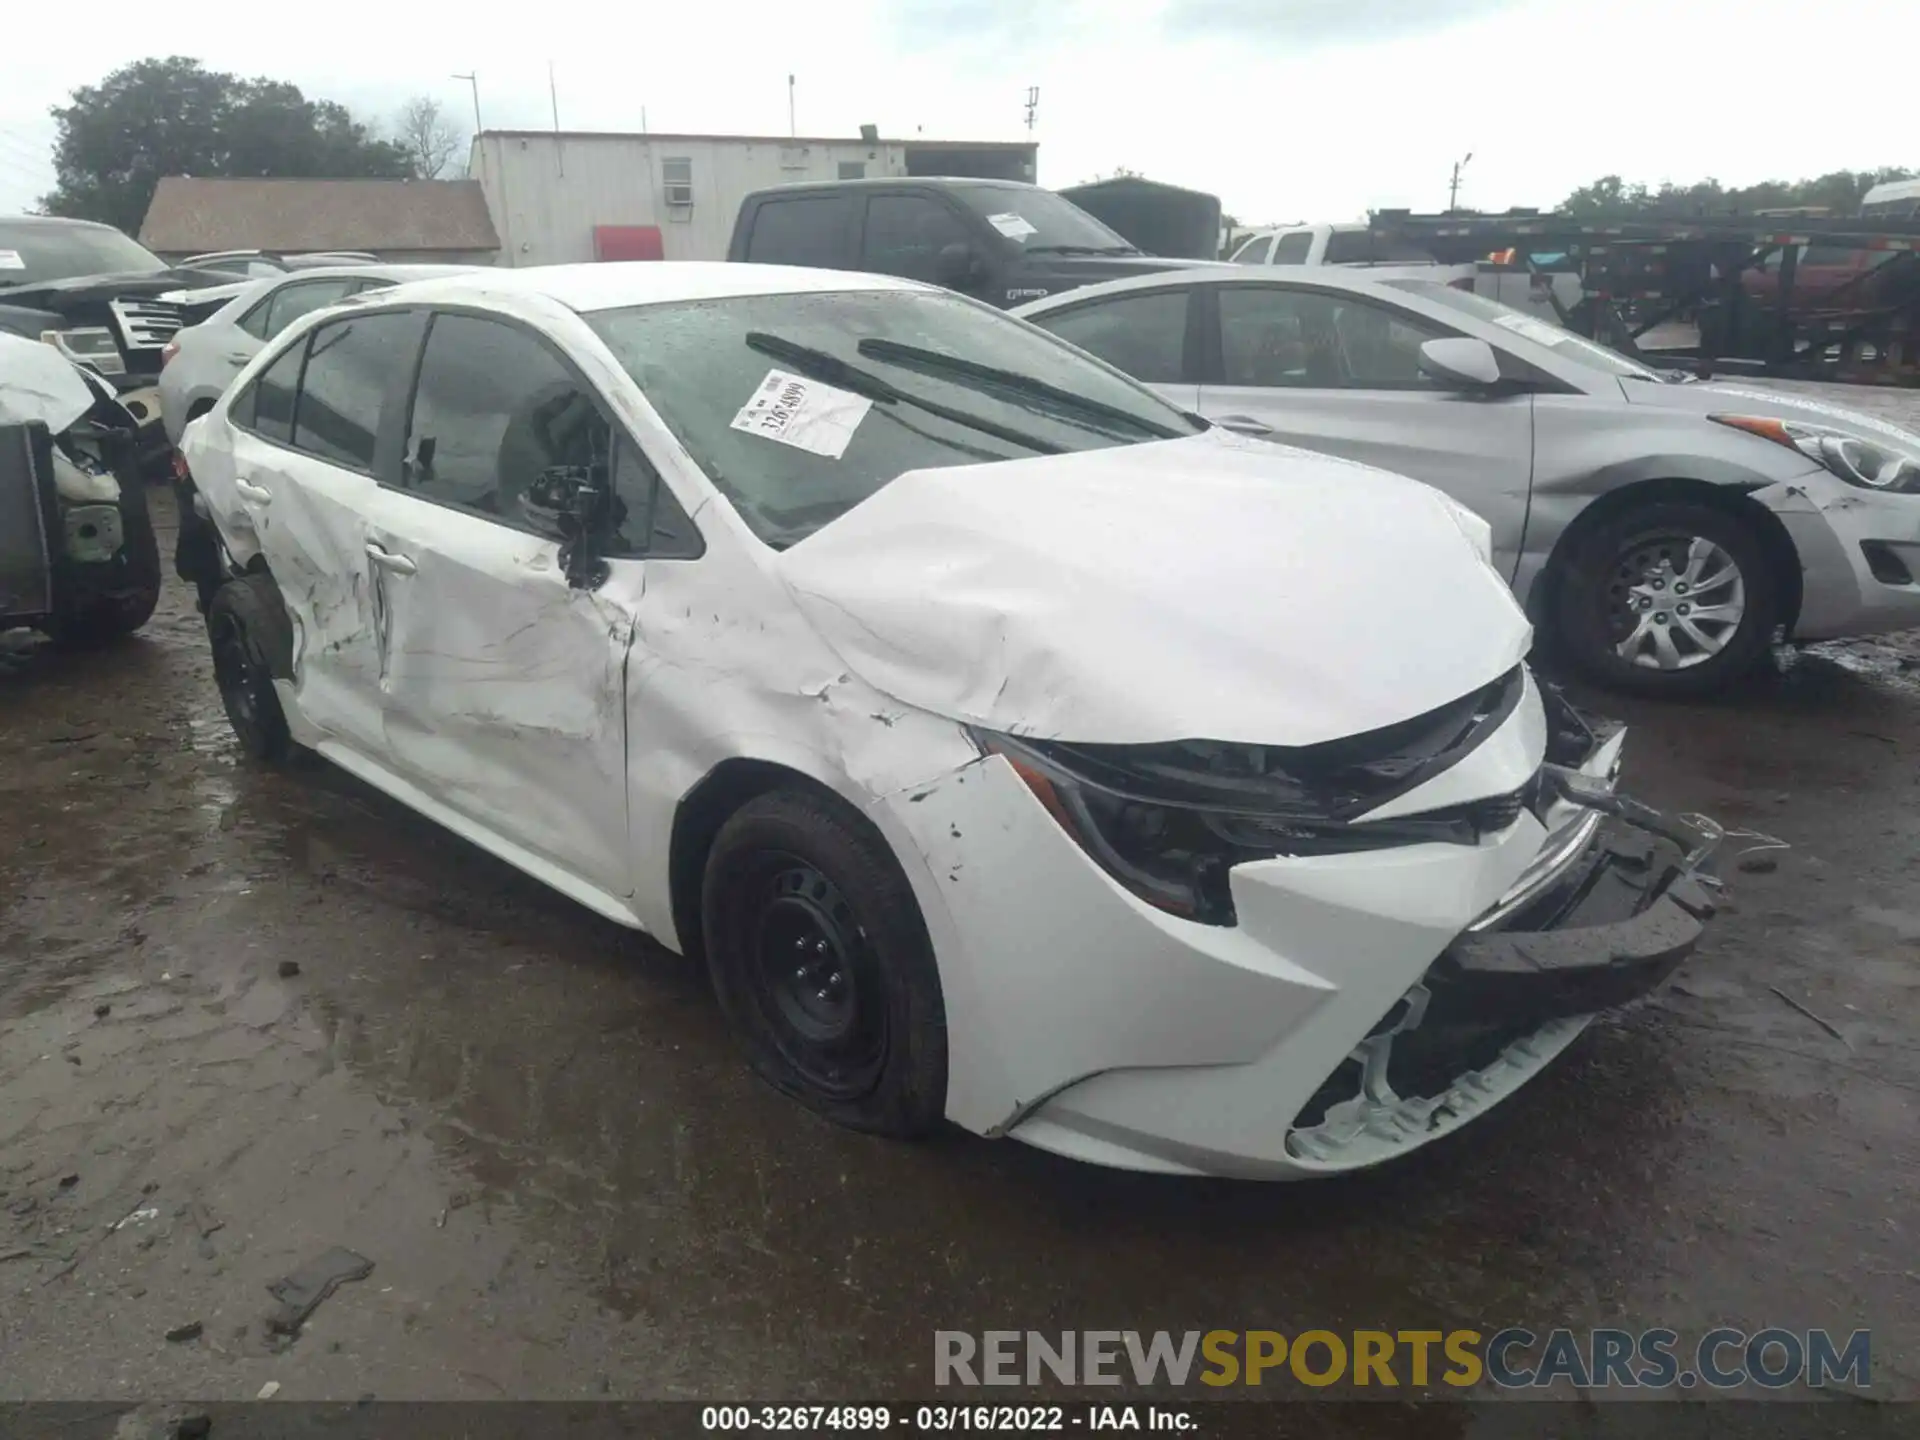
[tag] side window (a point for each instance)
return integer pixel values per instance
(1254, 252)
(1144, 335)
(493, 409)
(647, 519)
(803, 230)
(351, 364)
(905, 235)
(254, 322)
(269, 402)
(1349, 247)
(290, 302)
(1293, 249)
(1270, 336)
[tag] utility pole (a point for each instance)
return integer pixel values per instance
(1453, 187)
(474, 81)
(791, 131)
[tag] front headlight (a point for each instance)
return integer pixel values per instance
(1870, 464)
(1168, 821)
(91, 345)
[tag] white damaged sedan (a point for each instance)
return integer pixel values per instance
(1014, 749)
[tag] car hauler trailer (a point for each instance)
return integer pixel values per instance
(1817, 299)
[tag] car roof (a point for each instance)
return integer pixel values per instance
(1315, 277)
(618, 284)
(871, 182)
(55, 222)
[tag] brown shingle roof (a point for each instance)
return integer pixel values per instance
(189, 214)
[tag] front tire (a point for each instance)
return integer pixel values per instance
(1671, 599)
(239, 621)
(821, 962)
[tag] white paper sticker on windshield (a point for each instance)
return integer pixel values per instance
(10, 260)
(1541, 332)
(1014, 227)
(803, 413)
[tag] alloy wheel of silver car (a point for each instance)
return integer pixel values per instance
(1675, 601)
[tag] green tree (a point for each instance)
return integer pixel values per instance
(1839, 191)
(173, 117)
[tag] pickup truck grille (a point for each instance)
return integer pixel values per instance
(145, 324)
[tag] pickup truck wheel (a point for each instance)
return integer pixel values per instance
(1672, 599)
(237, 622)
(821, 961)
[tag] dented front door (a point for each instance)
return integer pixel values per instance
(504, 687)
(309, 518)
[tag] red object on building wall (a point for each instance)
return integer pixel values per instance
(627, 242)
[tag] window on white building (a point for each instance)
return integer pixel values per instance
(676, 176)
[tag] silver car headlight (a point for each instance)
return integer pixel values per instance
(1870, 464)
(91, 345)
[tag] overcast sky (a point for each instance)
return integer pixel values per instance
(1286, 109)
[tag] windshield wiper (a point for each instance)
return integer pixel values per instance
(913, 357)
(835, 371)
(1081, 250)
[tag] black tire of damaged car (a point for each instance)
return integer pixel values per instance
(821, 962)
(242, 621)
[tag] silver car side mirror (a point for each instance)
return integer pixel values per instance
(1460, 363)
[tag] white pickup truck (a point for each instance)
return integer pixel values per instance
(1350, 244)
(1355, 246)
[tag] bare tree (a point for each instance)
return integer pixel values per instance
(429, 138)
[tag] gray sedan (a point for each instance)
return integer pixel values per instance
(1662, 532)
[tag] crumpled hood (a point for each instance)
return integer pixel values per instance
(1206, 588)
(38, 383)
(1708, 398)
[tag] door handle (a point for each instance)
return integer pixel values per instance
(259, 495)
(387, 560)
(1247, 425)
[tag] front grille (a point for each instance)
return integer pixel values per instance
(1497, 812)
(145, 324)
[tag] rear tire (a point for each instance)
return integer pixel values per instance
(821, 961)
(238, 623)
(1671, 599)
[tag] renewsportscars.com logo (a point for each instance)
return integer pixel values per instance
(1514, 1358)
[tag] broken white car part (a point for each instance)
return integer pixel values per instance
(77, 551)
(1014, 749)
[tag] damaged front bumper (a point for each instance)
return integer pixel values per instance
(1360, 1006)
(1505, 997)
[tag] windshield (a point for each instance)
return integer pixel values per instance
(1557, 338)
(35, 253)
(863, 414)
(1039, 220)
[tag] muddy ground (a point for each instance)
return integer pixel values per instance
(535, 1126)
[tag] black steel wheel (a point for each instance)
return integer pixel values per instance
(241, 672)
(821, 961)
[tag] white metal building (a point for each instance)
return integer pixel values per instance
(558, 196)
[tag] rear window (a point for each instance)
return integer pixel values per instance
(801, 230)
